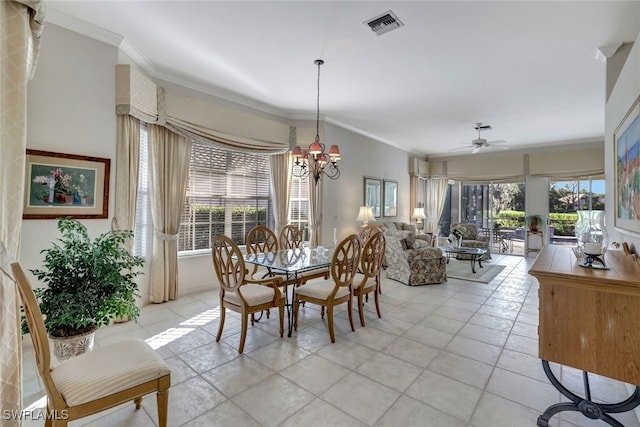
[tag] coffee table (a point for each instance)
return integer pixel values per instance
(474, 253)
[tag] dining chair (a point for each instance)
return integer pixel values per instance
(261, 239)
(97, 380)
(237, 292)
(366, 231)
(335, 290)
(367, 280)
(290, 237)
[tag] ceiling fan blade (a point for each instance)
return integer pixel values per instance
(466, 147)
(497, 141)
(476, 149)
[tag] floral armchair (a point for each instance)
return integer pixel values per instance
(413, 265)
(472, 239)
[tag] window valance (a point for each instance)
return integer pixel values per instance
(197, 118)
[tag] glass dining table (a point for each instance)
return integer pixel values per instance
(291, 263)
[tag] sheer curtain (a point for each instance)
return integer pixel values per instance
(20, 33)
(315, 211)
(434, 204)
(169, 156)
(127, 167)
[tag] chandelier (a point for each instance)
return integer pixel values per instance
(315, 161)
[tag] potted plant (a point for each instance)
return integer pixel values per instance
(534, 222)
(88, 284)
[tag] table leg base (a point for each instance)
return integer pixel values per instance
(588, 408)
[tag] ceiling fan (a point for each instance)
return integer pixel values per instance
(480, 143)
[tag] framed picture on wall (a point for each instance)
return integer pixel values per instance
(373, 195)
(390, 198)
(627, 171)
(60, 184)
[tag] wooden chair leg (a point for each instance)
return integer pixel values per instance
(375, 295)
(162, 398)
(223, 313)
(296, 305)
(350, 308)
(138, 402)
(332, 335)
(243, 332)
(361, 308)
(47, 420)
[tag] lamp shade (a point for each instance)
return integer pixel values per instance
(418, 213)
(365, 214)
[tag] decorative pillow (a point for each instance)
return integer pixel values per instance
(391, 226)
(407, 238)
(409, 227)
(419, 243)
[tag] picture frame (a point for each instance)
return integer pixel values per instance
(626, 141)
(59, 184)
(373, 195)
(390, 197)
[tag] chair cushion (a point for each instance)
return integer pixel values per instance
(107, 370)
(321, 289)
(253, 295)
(359, 277)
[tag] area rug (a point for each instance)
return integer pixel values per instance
(462, 270)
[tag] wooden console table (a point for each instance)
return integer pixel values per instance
(589, 320)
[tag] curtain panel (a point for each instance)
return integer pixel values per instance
(281, 178)
(169, 157)
(127, 168)
(434, 203)
(20, 33)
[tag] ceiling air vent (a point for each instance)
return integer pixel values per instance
(384, 23)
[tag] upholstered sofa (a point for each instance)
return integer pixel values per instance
(412, 265)
(471, 238)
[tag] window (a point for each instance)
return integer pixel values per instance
(227, 193)
(299, 205)
(143, 237)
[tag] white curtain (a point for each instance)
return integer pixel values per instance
(434, 204)
(127, 167)
(281, 167)
(169, 157)
(20, 32)
(315, 211)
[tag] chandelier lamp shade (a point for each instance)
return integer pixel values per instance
(365, 214)
(315, 161)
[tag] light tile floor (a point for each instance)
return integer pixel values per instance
(456, 354)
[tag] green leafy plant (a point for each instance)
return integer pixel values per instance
(89, 282)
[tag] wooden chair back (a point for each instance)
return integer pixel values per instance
(367, 231)
(228, 263)
(290, 237)
(261, 239)
(38, 334)
(372, 255)
(345, 260)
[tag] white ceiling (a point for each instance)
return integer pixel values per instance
(529, 69)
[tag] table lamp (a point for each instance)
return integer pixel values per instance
(365, 214)
(418, 214)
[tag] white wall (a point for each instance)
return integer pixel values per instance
(624, 93)
(70, 109)
(361, 156)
